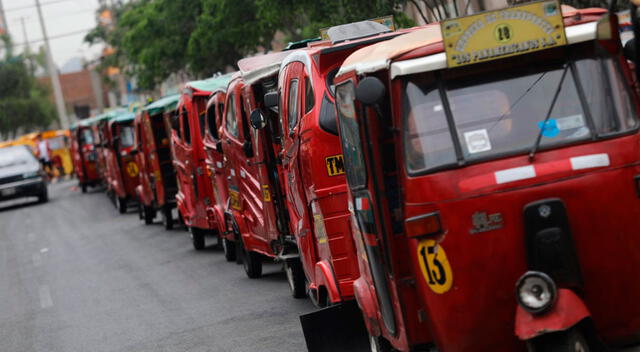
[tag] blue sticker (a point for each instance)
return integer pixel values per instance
(549, 129)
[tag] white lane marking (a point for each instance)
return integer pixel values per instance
(45, 297)
(590, 161)
(515, 174)
(31, 236)
(36, 260)
(44, 250)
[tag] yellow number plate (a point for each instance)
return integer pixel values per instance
(132, 169)
(498, 34)
(335, 165)
(235, 200)
(435, 266)
(266, 194)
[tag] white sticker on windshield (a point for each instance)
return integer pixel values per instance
(477, 141)
(570, 122)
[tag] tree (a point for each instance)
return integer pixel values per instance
(304, 18)
(24, 103)
(154, 39)
(226, 31)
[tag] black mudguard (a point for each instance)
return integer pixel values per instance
(336, 328)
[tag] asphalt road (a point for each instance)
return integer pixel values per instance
(76, 276)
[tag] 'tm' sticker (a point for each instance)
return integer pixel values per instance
(335, 165)
(435, 266)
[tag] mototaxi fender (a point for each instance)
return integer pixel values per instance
(568, 311)
(368, 305)
(238, 219)
(325, 277)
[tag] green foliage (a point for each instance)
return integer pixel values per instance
(226, 31)
(156, 38)
(24, 104)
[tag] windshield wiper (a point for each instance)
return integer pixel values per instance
(536, 145)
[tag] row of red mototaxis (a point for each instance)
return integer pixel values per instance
(493, 206)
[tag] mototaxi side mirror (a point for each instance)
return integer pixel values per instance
(219, 147)
(630, 50)
(271, 100)
(370, 91)
(257, 120)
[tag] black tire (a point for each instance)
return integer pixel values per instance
(197, 238)
(380, 344)
(572, 340)
(122, 205)
(296, 278)
(229, 248)
(252, 263)
(167, 218)
(83, 187)
(149, 214)
(44, 196)
(140, 212)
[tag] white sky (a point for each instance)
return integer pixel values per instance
(61, 17)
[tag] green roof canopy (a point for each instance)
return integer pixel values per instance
(105, 116)
(163, 104)
(211, 84)
(123, 117)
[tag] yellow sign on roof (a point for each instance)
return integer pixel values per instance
(498, 34)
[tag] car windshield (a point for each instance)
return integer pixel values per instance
(127, 137)
(14, 156)
(464, 116)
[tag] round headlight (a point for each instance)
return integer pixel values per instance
(536, 292)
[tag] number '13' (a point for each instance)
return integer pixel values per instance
(435, 266)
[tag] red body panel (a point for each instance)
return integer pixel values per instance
(253, 211)
(121, 168)
(84, 157)
(215, 160)
(157, 176)
(195, 193)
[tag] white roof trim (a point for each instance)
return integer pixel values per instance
(581, 33)
(252, 77)
(365, 67)
(426, 63)
(575, 34)
(299, 56)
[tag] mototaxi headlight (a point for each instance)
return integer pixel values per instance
(536, 292)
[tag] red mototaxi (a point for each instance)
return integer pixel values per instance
(84, 155)
(158, 185)
(313, 165)
(257, 218)
(195, 192)
(121, 168)
(484, 253)
(217, 166)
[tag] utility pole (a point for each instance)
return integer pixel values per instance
(53, 74)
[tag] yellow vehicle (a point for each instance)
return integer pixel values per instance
(60, 154)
